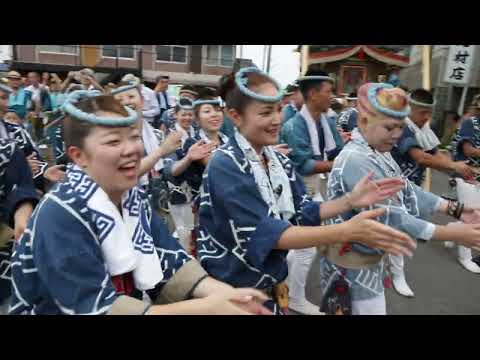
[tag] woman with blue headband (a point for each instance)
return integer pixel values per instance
(253, 206)
(18, 197)
(187, 165)
(353, 275)
(94, 245)
(129, 94)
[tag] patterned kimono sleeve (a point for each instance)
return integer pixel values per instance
(404, 217)
(59, 258)
(465, 134)
(168, 165)
(302, 154)
(407, 141)
(18, 178)
(238, 206)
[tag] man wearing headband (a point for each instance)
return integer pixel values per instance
(162, 97)
(416, 150)
(360, 269)
(466, 147)
(294, 103)
(314, 138)
(347, 119)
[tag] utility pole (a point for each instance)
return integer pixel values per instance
(264, 57)
(269, 57)
(427, 84)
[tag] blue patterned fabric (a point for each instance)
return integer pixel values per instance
(238, 233)
(400, 152)
(192, 176)
(26, 144)
(16, 187)
(58, 266)
(299, 141)
(288, 112)
(347, 120)
(469, 131)
(408, 213)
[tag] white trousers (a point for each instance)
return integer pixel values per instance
(373, 306)
(299, 260)
(184, 222)
(469, 195)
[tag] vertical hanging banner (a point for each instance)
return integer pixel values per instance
(459, 64)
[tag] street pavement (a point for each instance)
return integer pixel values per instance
(441, 285)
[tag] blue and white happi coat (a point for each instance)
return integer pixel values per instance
(27, 145)
(469, 131)
(239, 231)
(16, 187)
(347, 120)
(59, 267)
(406, 212)
(191, 178)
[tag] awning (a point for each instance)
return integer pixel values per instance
(183, 78)
(385, 56)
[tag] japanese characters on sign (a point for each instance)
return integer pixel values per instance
(459, 64)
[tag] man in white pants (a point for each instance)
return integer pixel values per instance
(315, 142)
(415, 151)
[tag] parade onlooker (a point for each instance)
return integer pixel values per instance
(162, 97)
(19, 98)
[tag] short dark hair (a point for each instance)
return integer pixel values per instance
(307, 85)
(161, 77)
(422, 95)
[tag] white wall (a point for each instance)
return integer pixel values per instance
(5, 52)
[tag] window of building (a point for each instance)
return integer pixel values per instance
(122, 51)
(58, 49)
(220, 55)
(172, 53)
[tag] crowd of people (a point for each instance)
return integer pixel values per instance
(246, 198)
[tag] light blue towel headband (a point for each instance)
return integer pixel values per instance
(74, 97)
(418, 103)
(218, 102)
(316, 77)
(130, 86)
(241, 80)
(372, 98)
(6, 88)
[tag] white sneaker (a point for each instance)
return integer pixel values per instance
(401, 286)
(469, 265)
(449, 244)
